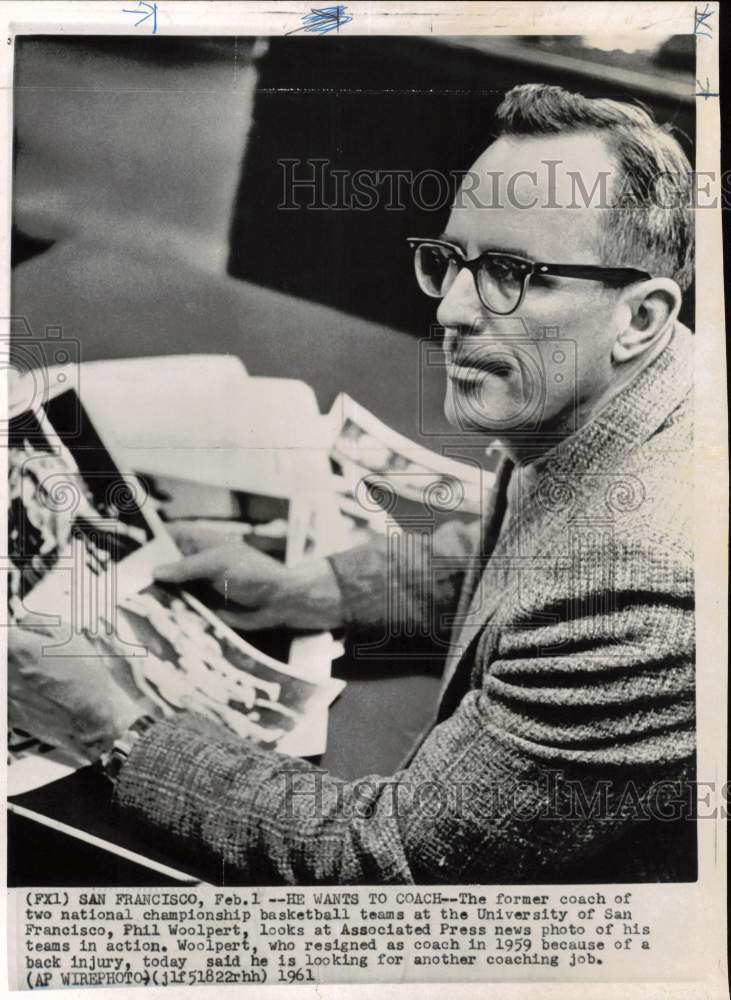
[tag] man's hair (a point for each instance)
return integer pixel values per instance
(652, 225)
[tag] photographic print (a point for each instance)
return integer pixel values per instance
(262, 520)
(189, 660)
(397, 313)
(67, 500)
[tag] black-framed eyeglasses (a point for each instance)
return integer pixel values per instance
(501, 279)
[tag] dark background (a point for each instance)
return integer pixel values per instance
(142, 143)
(399, 103)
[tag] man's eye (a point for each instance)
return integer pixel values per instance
(502, 270)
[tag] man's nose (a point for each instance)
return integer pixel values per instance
(461, 306)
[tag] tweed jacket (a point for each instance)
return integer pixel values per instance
(565, 742)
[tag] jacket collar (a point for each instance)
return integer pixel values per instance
(539, 492)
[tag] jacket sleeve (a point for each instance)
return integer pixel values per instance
(575, 726)
(405, 577)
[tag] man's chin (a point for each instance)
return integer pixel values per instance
(466, 415)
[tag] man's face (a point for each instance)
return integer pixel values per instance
(503, 373)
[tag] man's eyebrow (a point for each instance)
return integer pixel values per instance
(513, 251)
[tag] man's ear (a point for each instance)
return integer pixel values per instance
(651, 309)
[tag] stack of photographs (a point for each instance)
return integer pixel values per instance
(84, 539)
(384, 480)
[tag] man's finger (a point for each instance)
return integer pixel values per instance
(205, 565)
(192, 536)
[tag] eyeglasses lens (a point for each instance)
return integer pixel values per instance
(500, 282)
(499, 279)
(436, 269)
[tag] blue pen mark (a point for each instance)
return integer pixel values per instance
(147, 9)
(323, 20)
(701, 17)
(707, 92)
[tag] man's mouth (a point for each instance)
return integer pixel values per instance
(475, 369)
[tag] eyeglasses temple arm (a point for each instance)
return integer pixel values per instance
(592, 271)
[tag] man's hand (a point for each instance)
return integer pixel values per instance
(71, 700)
(257, 590)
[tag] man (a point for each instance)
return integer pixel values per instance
(566, 722)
